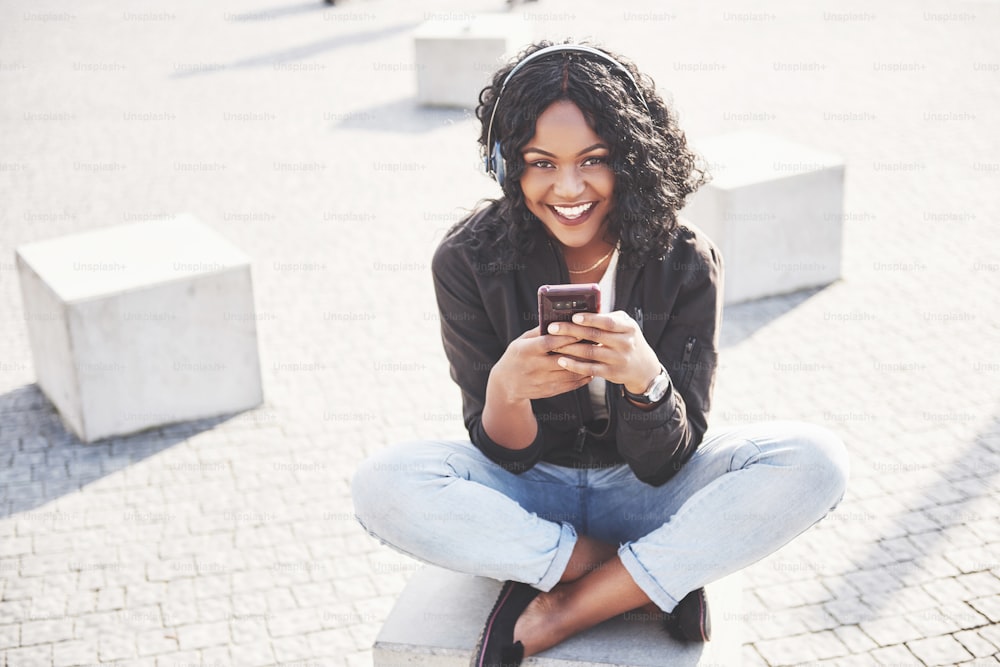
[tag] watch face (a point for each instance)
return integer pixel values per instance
(659, 388)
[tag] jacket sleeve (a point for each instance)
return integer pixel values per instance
(472, 346)
(657, 442)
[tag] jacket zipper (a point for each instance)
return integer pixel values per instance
(686, 364)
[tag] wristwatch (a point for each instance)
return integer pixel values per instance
(655, 392)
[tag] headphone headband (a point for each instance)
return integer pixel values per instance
(494, 159)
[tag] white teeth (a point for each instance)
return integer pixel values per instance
(574, 212)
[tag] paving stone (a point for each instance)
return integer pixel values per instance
(14, 611)
(254, 654)
(74, 652)
(364, 658)
(157, 642)
(10, 636)
(250, 604)
(16, 546)
(992, 634)
(973, 559)
(214, 609)
(980, 583)
(202, 635)
(32, 656)
(179, 613)
(112, 647)
(294, 621)
(939, 650)
(826, 644)
(110, 598)
(890, 630)
(899, 656)
(854, 639)
(988, 606)
(751, 658)
(946, 590)
(330, 642)
(964, 615)
(975, 644)
(179, 659)
(215, 657)
(850, 611)
(795, 650)
(289, 649)
(849, 661)
(43, 632)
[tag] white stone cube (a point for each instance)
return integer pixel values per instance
(457, 55)
(140, 325)
(775, 209)
(437, 619)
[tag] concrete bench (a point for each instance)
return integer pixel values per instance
(439, 616)
(775, 209)
(140, 325)
(456, 54)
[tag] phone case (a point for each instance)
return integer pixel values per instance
(558, 303)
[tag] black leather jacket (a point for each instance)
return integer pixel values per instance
(677, 302)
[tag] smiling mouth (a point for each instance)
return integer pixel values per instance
(574, 212)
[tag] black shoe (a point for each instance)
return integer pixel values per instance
(496, 646)
(689, 621)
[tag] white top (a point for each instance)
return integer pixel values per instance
(598, 386)
(744, 158)
(116, 259)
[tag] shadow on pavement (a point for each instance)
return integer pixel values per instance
(280, 11)
(742, 320)
(290, 56)
(929, 528)
(403, 115)
(41, 461)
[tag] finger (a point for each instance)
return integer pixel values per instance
(616, 322)
(532, 333)
(581, 367)
(588, 352)
(550, 342)
(577, 331)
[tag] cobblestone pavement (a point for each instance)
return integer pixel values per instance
(291, 129)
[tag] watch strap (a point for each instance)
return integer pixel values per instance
(646, 398)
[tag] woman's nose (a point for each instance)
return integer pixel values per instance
(569, 184)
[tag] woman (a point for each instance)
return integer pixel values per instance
(591, 483)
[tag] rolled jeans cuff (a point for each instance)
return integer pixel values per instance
(567, 541)
(644, 580)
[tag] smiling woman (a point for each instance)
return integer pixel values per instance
(590, 481)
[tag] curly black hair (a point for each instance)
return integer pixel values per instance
(654, 169)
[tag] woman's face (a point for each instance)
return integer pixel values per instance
(567, 181)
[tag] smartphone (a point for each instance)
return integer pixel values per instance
(558, 303)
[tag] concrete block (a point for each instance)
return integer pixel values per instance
(775, 209)
(440, 614)
(455, 57)
(140, 325)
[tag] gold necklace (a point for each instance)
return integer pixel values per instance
(596, 264)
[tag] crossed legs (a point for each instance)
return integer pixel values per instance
(746, 492)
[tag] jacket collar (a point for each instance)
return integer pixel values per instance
(545, 265)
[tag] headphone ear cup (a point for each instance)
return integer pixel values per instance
(499, 167)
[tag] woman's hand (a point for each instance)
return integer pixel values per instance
(527, 370)
(622, 355)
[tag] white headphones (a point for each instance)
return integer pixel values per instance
(494, 161)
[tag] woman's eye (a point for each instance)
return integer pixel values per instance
(541, 164)
(595, 160)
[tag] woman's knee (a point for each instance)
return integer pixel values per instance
(823, 460)
(382, 483)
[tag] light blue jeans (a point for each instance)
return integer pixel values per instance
(744, 493)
